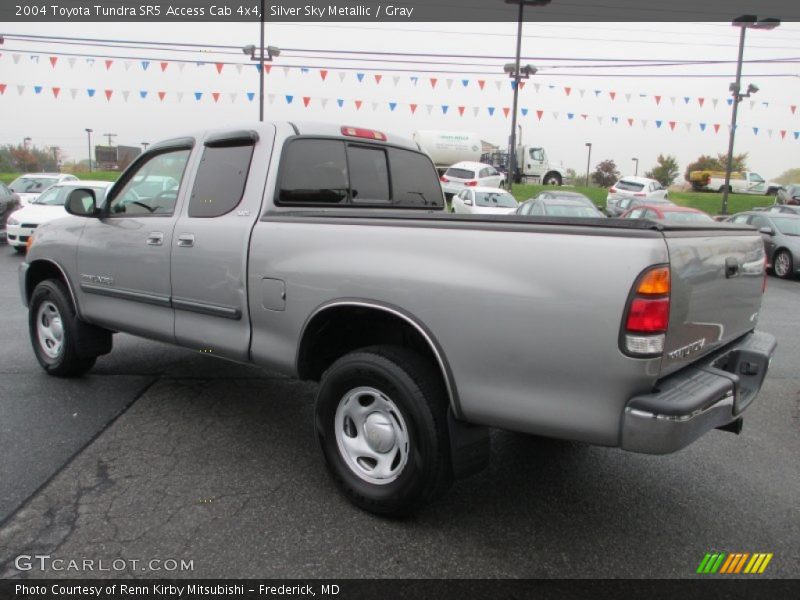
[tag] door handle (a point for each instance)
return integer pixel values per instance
(155, 238)
(186, 240)
(731, 267)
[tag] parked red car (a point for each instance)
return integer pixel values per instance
(666, 212)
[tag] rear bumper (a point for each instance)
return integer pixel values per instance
(707, 395)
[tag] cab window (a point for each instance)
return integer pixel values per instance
(153, 188)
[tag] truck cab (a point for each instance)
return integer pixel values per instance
(532, 164)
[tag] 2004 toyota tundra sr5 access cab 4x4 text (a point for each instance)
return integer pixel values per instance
(325, 252)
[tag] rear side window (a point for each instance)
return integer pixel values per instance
(629, 186)
(321, 171)
(221, 177)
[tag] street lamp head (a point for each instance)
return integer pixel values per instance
(250, 49)
(509, 68)
(588, 144)
(89, 130)
(753, 22)
(273, 51)
(752, 89)
(529, 70)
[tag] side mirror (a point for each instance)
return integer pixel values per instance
(767, 231)
(81, 202)
(468, 202)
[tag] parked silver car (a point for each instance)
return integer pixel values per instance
(789, 194)
(781, 234)
(621, 195)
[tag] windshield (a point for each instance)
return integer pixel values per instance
(495, 199)
(686, 217)
(570, 210)
(787, 226)
(57, 196)
(31, 185)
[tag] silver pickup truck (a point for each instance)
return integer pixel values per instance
(324, 252)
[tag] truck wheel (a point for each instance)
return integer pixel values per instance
(381, 420)
(782, 264)
(19, 249)
(552, 179)
(52, 323)
(722, 189)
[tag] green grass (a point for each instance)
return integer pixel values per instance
(707, 202)
(94, 175)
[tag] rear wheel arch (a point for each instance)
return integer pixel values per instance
(328, 335)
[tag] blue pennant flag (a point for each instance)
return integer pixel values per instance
(289, 99)
(143, 94)
(658, 124)
(444, 109)
(702, 126)
(251, 95)
(570, 116)
(414, 80)
(755, 130)
(524, 111)
(686, 99)
(729, 101)
(304, 69)
(597, 92)
(340, 102)
(360, 76)
(37, 89)
(392, 105)
(465, 82)
(258, 68)
(491, 110)
(198, 95)
(796, 134)
(615, 119)
(145, 64)
(90, 91)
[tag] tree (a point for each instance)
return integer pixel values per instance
(571, 177)
(15, 159)
(606, 173)
(665, 171)
(716, 163)
(790, 176)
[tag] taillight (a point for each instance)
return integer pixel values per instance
(646, 319)
(471, 183)
(444, 179)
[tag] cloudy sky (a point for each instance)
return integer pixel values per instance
(609, 84)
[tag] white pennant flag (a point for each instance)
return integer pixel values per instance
(179, 96)
(271, 98)
(769, 132)
(73, 92)
(239, 69)
(342, 75)
(125, 94)
(449, 83)
(581, 92)
(16, 58)
(600, 120)
(475, 110)
(429, 108)
(555, 115)
(181, 66)
(374, 106)
(20, 89)
(90, 62)
(71, 62)
(644, 123)
(233, 97)
(286, 71)
(627, 97)
(396, 80)
(35, 58)
(499, 84)
(672, 100)
(688, 126)
(752, 103)
(323, 102)
(127, 65)
(536, 86)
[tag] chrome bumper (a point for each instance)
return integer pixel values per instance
(707, 395)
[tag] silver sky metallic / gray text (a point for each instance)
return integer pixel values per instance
(335, 10)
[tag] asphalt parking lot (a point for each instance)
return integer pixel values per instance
(161, 453)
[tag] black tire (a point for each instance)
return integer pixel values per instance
(19, 249)
(722, 189)
(782, 264)
(67, 361)
(415, 388)
(552, 179)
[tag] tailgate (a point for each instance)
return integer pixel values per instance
(717, 284)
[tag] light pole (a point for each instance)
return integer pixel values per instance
(144, 146)
(636, 160)
(89, 135)
(272, 52)
(588, 161)
(109, 136)
(744, 23)
(514, 72)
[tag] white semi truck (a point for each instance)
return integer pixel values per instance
(447, 148)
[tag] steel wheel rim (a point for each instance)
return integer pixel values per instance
(371, 435)
(50, 329)
(782, 264)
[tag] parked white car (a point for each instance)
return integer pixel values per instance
(484, 201)
(469, 174)
(632, 188)
(47, 206)
(30, 185)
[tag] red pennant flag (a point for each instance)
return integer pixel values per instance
(358, 104)
(215, 96)
(433, 82)
(306, 101)
(56, 90)
(701, 101)
(521, 84)
(794, 108)
(658, 99)
(539, 114)
(630, 122)
(568, 90)
(672, 125)
(413, 108)
(161, 95)
(506, 110)
(53, 61)
(108, 64)
(323, 73)
(378, 77)
(461, 110)
(164, 66)
(3, 89)
(716, 127)
(612, 94)
(267, 69)
(220, 67)
(108, 94)
(783, 131)
(584, 116)
(481, 83)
